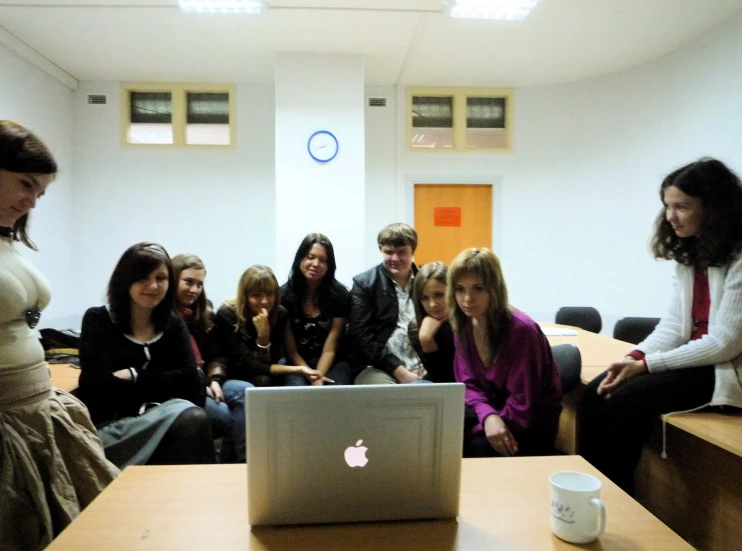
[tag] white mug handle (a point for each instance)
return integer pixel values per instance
(601, 517)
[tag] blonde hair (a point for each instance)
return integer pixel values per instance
(260, 279)
(481, 263)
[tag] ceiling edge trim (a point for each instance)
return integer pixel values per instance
(25, 51)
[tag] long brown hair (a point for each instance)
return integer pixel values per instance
(203, 315)
(21, 151)
(257, 278)
(719, 239)
(485, 264)
(432, 270)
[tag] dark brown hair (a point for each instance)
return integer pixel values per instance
(719, 238)
(298, 283)
(433, 270)
(136, 264)
(203, 315)
(21, 151)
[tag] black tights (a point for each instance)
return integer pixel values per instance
(188, 441)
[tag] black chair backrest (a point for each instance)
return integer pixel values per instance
(584, 317)
(634, 330)
(569, 364)
(56, 338)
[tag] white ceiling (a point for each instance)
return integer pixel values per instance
(406, 42)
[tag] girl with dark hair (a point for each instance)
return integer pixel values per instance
(52, 463)
(693, 358)
(505, 361)
(318, 306)
(430, 332)
(250, 337)
(195, 309)
(139, 376)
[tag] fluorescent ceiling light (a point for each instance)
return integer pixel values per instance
(222, 6)
(508, 10)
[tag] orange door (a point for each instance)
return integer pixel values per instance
(450, 218)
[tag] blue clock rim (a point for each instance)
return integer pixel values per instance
(309, 149)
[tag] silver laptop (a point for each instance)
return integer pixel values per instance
(353, 453)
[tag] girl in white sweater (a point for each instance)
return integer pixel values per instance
(694, 356)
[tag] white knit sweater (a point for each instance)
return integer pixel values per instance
(669, 347)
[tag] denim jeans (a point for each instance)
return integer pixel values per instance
(234, 396)
(340, 372)
(219, 415)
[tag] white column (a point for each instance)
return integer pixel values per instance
(320, 92)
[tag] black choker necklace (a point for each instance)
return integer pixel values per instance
(6, 232)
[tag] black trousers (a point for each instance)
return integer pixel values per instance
(533, 442)
(614, 428)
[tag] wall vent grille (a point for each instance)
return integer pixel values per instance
(377, 102)
(97, 99)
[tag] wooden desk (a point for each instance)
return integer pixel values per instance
(65, 376)
(597, 351)
(697, 490)
(504, 506)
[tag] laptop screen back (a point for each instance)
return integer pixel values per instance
(356, 453)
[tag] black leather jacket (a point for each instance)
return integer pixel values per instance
(373, 318)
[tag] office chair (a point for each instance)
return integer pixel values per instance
(633, 329)
(584, 317)
(569, 364)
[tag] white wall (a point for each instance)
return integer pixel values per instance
(218, 204)
(576, 199)
(381, 169)
(320, 92)
(579, 193)
(31, 98)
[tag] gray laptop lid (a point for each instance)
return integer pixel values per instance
(353, 453)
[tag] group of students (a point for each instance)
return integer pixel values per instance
(162, 373)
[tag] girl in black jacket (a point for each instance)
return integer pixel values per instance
(430, 333)
(139, 377)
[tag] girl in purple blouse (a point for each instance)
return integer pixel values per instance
(505, 361)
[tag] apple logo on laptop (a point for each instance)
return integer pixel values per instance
(355, 456)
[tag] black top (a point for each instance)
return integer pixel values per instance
(169, 372)
(311, 333)
(373, 317)
(241, 347)
(438, 364)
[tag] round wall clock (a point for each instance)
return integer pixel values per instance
(323, 146)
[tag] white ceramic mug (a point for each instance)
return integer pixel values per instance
(577, 515)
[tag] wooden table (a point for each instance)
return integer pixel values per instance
(504, 506)
(64, 376)
(597, 351)
(697, 489)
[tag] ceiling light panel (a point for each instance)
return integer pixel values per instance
(506, 10)
(222, 6)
